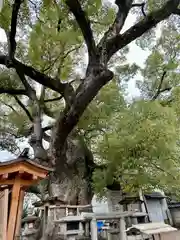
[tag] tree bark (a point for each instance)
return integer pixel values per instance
(71, 180)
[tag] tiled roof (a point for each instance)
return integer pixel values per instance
(155, 195)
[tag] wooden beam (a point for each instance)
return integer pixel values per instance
(6, 182)
(19, 214)
(23, 167)
(23, 183)
(14, 209)
(33, 170)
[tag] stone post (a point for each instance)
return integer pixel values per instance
(122, 229)
(94, 234)
(87, 233)
(134, 220)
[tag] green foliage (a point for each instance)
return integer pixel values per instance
(139, 147)
(94, 121)
(155, 4)
(5, 15)
(9, 79)
(163, 58)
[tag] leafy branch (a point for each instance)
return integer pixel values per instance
(62, 58)
(160, 86)
(162, 170)
(36, 75)
(160, 90)
(85, 26)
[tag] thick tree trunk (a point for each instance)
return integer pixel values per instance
(71, 180)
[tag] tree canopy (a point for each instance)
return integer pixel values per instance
(58, 55)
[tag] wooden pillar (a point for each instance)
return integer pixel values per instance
(5, 214)
(94, 234)
(13, 209)
(19, 213)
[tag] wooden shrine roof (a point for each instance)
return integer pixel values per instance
(24, 160)
(25, 167)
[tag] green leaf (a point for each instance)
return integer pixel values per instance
(5, 15)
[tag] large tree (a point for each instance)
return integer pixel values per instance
(58, 55)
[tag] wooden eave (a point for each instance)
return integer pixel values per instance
(21, 165)
(26, 170)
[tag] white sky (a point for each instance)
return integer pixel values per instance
(136, 54)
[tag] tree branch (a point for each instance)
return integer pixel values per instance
(160, 86)
(37, 135)
(53, 99)
(71, 114)
(151, 20)
(115, 28)
(47, 128)
(142, 5)
(24, 108)
(34, 74)
(12, 91)
(9, 106)
(30, 91)
(85, 26)
(46, 137)
(162, 170)
(12, 33)
(123, 10)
